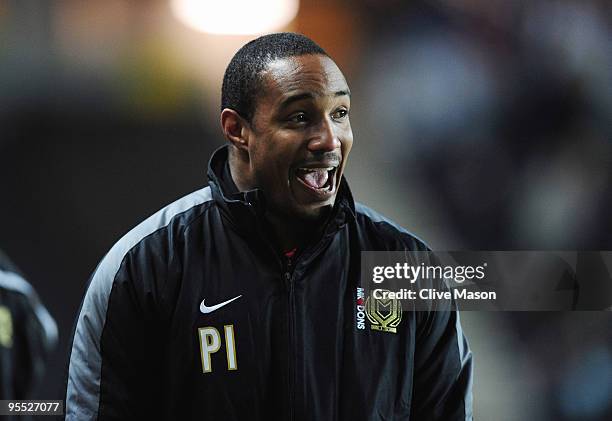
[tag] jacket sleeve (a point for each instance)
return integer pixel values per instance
(123, 325)
(443, 369)
(117, 341)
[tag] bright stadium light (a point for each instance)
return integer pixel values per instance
(235, 17)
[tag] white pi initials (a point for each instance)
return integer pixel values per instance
(210, 342)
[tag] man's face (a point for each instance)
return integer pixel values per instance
(300, 135)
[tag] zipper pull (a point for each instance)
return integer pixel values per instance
(289, 256)
(288, 282)
(288, 274)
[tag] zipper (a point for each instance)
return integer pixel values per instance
(290, 263)
(288, 278)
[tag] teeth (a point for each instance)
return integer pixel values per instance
(316, 169)
(316, 178)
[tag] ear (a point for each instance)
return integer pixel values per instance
(235, 128)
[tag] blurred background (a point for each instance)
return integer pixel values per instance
(479, 125)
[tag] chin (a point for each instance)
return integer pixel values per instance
(312, 213)
(291, 209)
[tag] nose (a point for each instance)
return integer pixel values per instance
(324, 139)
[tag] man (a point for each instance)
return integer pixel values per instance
(238, 301)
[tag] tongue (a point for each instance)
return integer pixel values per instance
(315, 179)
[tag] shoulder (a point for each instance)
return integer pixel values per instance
(175, 216)
(19, 290)
(154, 236)
(384, 232)
(12, 281)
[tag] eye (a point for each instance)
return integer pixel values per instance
(299, 117)
(340, 114)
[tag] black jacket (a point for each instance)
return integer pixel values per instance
(156, 338)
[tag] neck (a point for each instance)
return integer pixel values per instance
(239, 170)
(289, 233)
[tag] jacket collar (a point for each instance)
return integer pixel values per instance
(246, 209)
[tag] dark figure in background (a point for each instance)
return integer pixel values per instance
(239, 301)
(27, 335)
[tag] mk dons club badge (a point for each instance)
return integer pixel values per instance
(384, 314)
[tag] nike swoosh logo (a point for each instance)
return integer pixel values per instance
(205, 309)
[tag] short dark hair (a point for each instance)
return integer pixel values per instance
(243, 76)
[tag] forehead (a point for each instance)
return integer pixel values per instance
(315, 75)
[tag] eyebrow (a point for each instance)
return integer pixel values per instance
(308, 95)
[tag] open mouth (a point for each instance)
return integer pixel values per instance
(320, 180)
